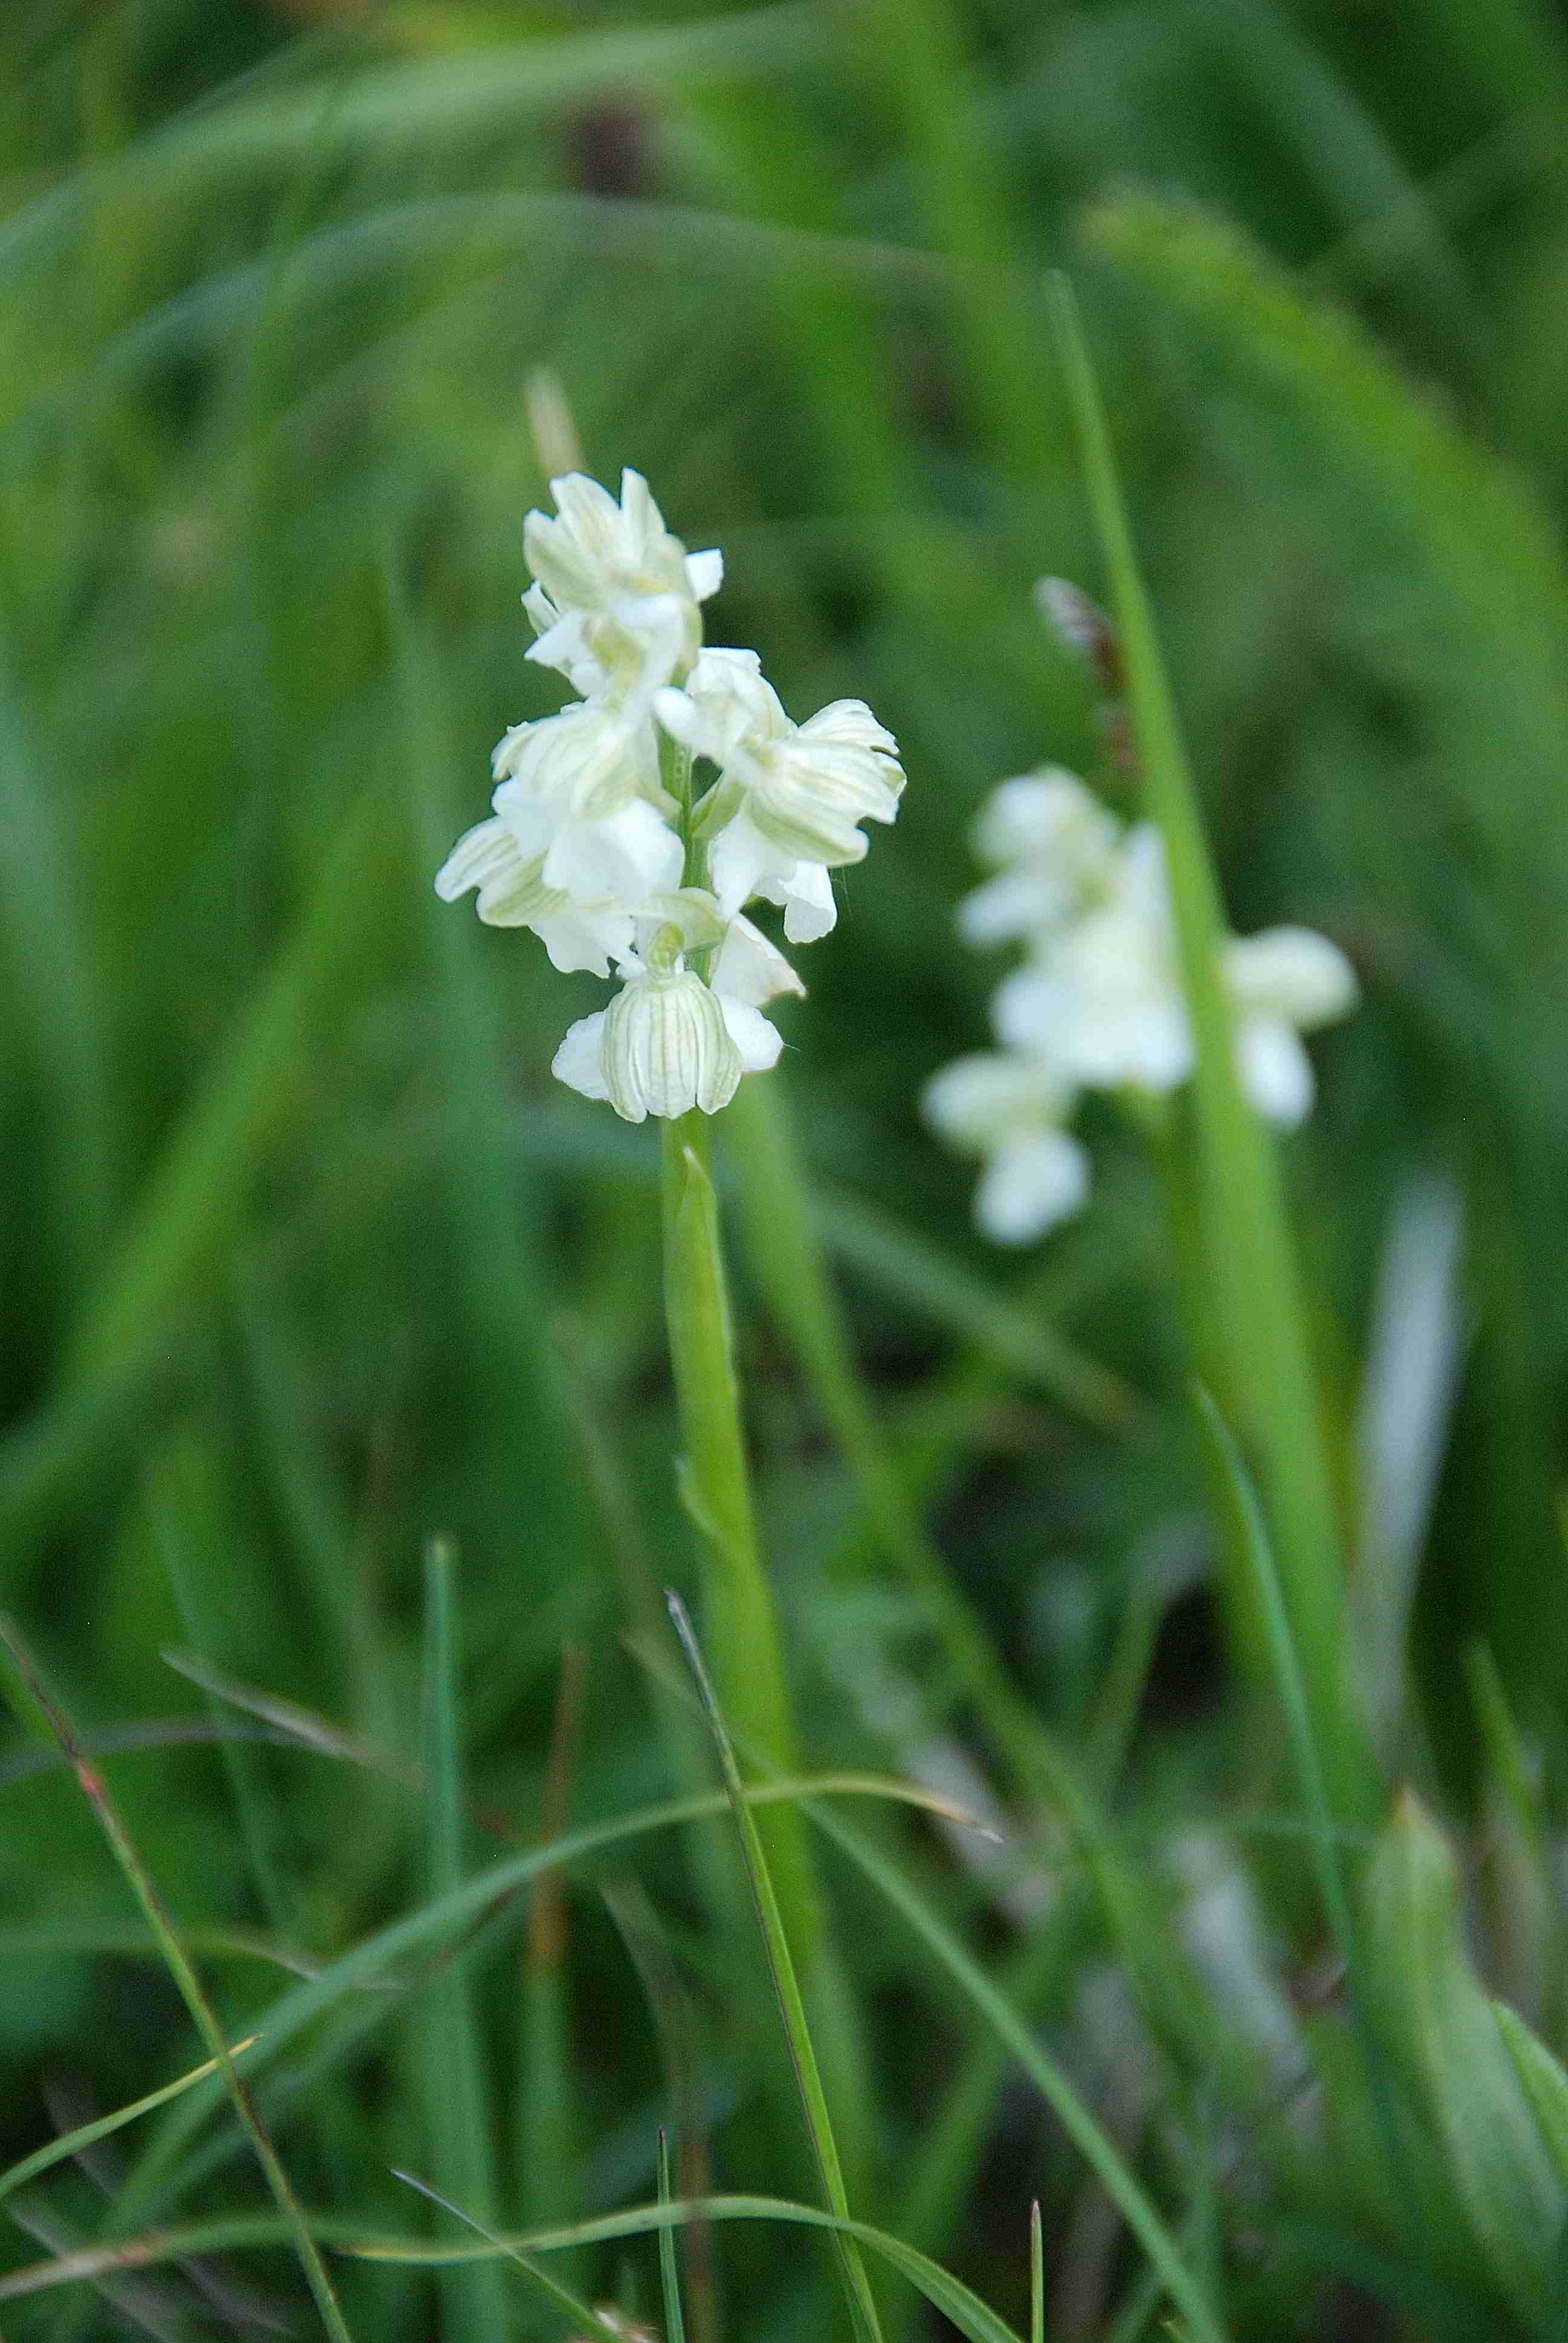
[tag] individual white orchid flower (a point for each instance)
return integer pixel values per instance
(1104, 997)
(594, 549)
(1286, 982)
(1010, 1107)
(590, 757)
(578, 842)
(725, 699)
(790, 797)
(616, 605)
(661, 1046)
(1054, 845)
(582, 789)
(1101, 996)
(669, 1041)
(512, 894)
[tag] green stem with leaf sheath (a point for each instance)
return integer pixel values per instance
(739, 1628)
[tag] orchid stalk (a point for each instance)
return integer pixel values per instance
(742, 1631)
(631, 832)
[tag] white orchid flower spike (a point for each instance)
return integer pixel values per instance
(598, 843)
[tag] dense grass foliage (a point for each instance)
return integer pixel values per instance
(337, 1487)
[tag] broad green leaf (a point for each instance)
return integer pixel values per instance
(1546, 2084)
(1460, 2062)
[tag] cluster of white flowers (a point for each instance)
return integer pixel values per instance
(1098, 1003)
(601, 842)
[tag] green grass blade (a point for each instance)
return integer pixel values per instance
(1312, 1772)
(787, 1265)
(1520, 1821)
(549, 2127)
(331, 1560)
(1248, 1251)
(70, 2143)
(187, 1515)
(973, 2318)
(912, 54)
(946, 2159)
(945, 1292)
(680, 1731)
(1159, 1971)
(791, 2006)
(1116, 2176)
(87, 2264)
(787, 1262)
(1477, 550)
(1414, 1356)
(196, 1197)
(897, 1261)
(200, 1188)
(676, 2024)
(69, 1442)
(72, 1938)
(1036, 2276)
(375, 1959)
(1355, 170)
(778, 167)
(265, 131)
(1545, 2083)
(581, 2317)
(139, 1881)
(1474, 2139)
(1465, 572)
(457, 2111)
(49, 974)
(1512, 50)
(288, 1721)
(497, 1227)
(670, 2275)
(1309, 1768)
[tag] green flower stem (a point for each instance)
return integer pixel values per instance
(741, 1631)
(1166, 1128)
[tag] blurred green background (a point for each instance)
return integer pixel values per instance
(307, 1260)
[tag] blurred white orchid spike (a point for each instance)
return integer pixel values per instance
(1097, 1002)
